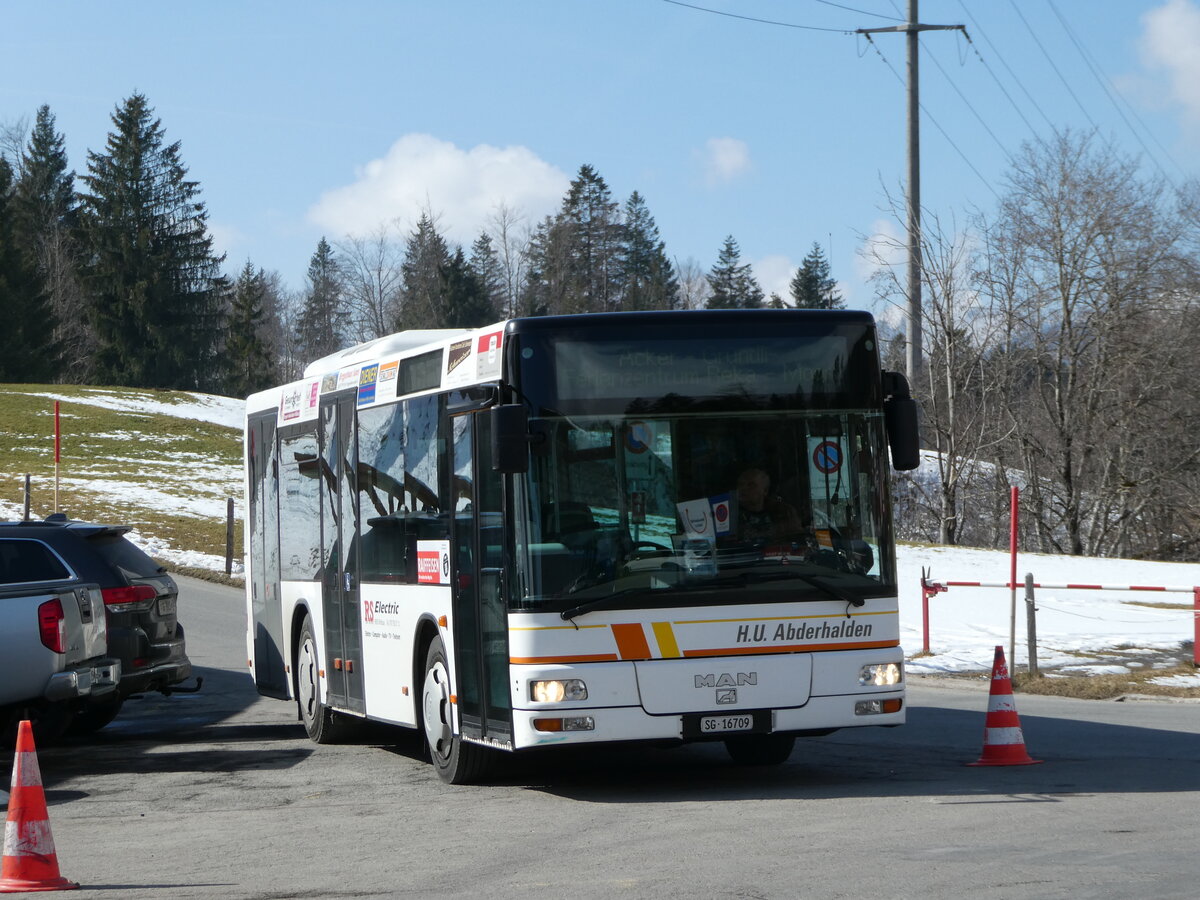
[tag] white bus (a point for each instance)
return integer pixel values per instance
(667, 526)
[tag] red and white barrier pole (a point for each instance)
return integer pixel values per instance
(1012, 576)
(929, 588)
(57, 452)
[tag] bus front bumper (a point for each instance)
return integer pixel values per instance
(580, 725)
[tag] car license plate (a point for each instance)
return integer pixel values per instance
(723, 724)
(166, 606)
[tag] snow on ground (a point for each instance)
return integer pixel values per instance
(156, 547)
(224, 411)
(1077, 630)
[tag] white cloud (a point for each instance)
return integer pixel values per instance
(1171, 42)
(885, 247)
(774, 275)
(226, 239)
(725, 159)
(462, 188)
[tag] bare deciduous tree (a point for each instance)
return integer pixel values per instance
(372, 277)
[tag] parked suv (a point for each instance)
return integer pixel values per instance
(140, 602)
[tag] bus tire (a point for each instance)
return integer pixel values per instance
(323, 725)
(761, 749)
(456, 761)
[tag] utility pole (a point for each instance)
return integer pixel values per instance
(912, 356)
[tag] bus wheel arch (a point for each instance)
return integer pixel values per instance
(456, 761)
(324, 726)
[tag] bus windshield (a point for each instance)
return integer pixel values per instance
(669, 471)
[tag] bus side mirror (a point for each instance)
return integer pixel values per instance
(900, 418)
(510, 438)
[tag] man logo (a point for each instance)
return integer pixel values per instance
(726, 696)
(725, 679)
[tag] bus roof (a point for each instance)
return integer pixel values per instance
(422, 360)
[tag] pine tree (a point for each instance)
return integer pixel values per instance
(320, 327)
(489, 271)
(467, 305)
(249, 360)
(547, 270)
(594, 234)
(155, 290)
(812, 287)
(25, 343)
(423, 290)
(44, 219)
(733, 284)
(648, 276)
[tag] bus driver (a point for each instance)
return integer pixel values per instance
(761, 516)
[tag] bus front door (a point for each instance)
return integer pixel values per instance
(339, 526)
(479, 604)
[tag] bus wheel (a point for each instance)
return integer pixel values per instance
(456, 761)
(761, 749)
(320, 721)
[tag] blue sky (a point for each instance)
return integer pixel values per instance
(303, 119)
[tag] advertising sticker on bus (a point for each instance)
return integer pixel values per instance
(457, 372)
(488, 355)
(433, 562)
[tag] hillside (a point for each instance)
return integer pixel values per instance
(163, 461)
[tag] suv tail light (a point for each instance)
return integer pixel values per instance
(125, 598)
(52, 625)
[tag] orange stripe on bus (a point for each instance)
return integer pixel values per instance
(544, 660)
(631, 641)
(763, 649)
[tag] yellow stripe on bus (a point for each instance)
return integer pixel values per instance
(665, 635)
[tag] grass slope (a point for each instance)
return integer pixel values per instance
(167, 475)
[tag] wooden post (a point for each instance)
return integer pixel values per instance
(1031, 624)
(27, 498)
(229, 536)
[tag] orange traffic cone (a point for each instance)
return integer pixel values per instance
(1003, 743)
(30, 863)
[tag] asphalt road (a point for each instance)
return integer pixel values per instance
(220, 794)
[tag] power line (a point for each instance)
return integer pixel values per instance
(963, 96)
(1000, 56)
(718, 12)
(1000, 85)
(1103, 82)
(1050, 60)
(935, 122)
(861, 12)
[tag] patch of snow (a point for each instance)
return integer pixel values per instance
(1184, 681)
(211, 408)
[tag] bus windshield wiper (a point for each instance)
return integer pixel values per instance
(831, 590)
(600, 602)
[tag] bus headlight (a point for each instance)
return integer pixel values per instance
(557, 691)
(881, 675)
